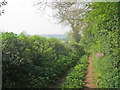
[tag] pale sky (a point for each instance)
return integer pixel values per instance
(20, 16)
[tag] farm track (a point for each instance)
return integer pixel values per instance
(89, 80)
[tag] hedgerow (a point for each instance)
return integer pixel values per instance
(76, 77)
(102, 36)
(34, 61)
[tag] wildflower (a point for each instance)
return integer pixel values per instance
(98, 55)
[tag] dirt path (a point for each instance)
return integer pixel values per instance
(89, 80)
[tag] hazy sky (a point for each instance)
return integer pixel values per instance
(20, 15)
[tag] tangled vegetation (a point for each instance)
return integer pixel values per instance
(37, 62)
(102, 36)
(77, 76)
(34, 61)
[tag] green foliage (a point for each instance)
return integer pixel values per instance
(34, 61)
(107, 74)
(101, 36)
(77, 76)
(78, 48)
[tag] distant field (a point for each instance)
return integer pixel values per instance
(53, 35)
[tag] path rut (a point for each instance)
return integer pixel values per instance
(89, 80)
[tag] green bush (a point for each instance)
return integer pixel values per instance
(77, 76)
(34, 61)
(107, 74)
(101, 35)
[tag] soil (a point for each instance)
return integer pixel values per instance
(89, 83)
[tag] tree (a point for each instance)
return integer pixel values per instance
(2, 3)
(68, 13)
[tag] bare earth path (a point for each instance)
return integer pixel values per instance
(89, 80)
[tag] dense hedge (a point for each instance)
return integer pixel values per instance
(107, 74)
(34, 61)
(76, 78)
(102, 36)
